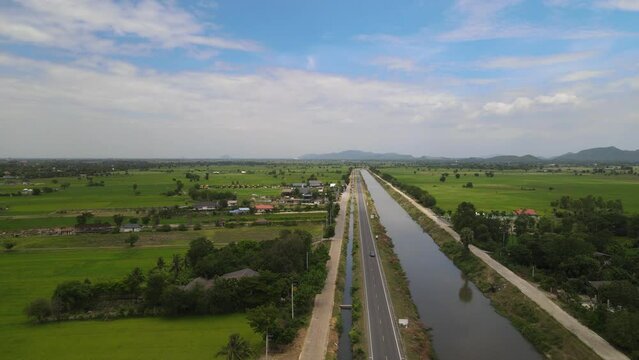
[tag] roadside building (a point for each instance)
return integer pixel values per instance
(287, 192)
(315, 183)
(131, 228)
(241, 274)
(242, 210)
(262, 208)
(298, 185)
(231, 203)
(207, 206)
(527, 212)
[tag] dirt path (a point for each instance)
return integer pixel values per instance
(316, 340)
(599, 345)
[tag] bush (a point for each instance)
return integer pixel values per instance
(39, 309)
(182, 227)
(164, 228)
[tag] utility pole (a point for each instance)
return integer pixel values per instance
(266, 344)
(306, 260)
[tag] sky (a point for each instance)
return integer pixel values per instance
(282, 78)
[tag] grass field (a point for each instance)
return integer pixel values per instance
(220, 236)
(26, 275)
(118, 190)
(512, 189)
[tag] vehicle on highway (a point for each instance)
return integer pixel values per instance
(372, 253)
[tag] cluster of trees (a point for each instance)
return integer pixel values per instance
(422, 196)
(286, 260)
(332, 210)
(196, 193)
(583, 240)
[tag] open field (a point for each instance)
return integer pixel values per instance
(220, 236)
(26, 275)
(512, 189)
(118, 193)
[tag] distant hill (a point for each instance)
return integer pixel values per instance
(596, 155)
(609, 154)
(357, 155)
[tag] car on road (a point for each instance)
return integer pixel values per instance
(372, 253)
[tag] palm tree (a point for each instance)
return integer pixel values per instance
(236, 349)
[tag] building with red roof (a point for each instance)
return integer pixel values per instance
(263, 207)
(528, 212)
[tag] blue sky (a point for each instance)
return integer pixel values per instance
(282, 78)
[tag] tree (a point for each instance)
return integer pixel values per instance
(132, 239)
(118, 219)
(155, 285)
(83, 218)
(176, 265)
(198, 249)
(467, 236)
(442, 178)
(135, 187)
(133, 281)
(39, 309)
(8, 245)
(160, 264)
(237, 348)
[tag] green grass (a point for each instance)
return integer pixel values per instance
(504, 191)
(118, 190)
(219, 236)
(147, 338)
(26, 275)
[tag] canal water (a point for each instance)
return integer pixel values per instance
(344, 350)
(464, 324)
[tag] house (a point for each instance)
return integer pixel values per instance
(26, 191)
(131, 228)
(206, 206)
(315, 183)
(201, 282)
(242, 210)
(287, 192)
(528, 212)
(231, 203)
(241, 274)
(263, 208)
(332, 185)
(298, 185)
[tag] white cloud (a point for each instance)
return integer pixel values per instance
(582, 75)
(526, 103)
(107, 26)
(396, 64)
(626, 5)
(97, 95)
(515, 62)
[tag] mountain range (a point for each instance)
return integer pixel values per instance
(609, 154)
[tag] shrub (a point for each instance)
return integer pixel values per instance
(39, 309)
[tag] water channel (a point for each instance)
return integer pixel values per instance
(344, 351)
(464, 324)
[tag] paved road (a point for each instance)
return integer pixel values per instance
(316, 340)
(599, 345)
(384, 338)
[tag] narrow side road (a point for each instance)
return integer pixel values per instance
(316, 340)
(599, 345)
(383, 334)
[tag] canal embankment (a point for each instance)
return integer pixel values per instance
(548, 336)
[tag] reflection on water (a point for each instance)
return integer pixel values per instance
(465, 292)
(465, 325)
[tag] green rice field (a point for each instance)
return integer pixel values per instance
(513, 189)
